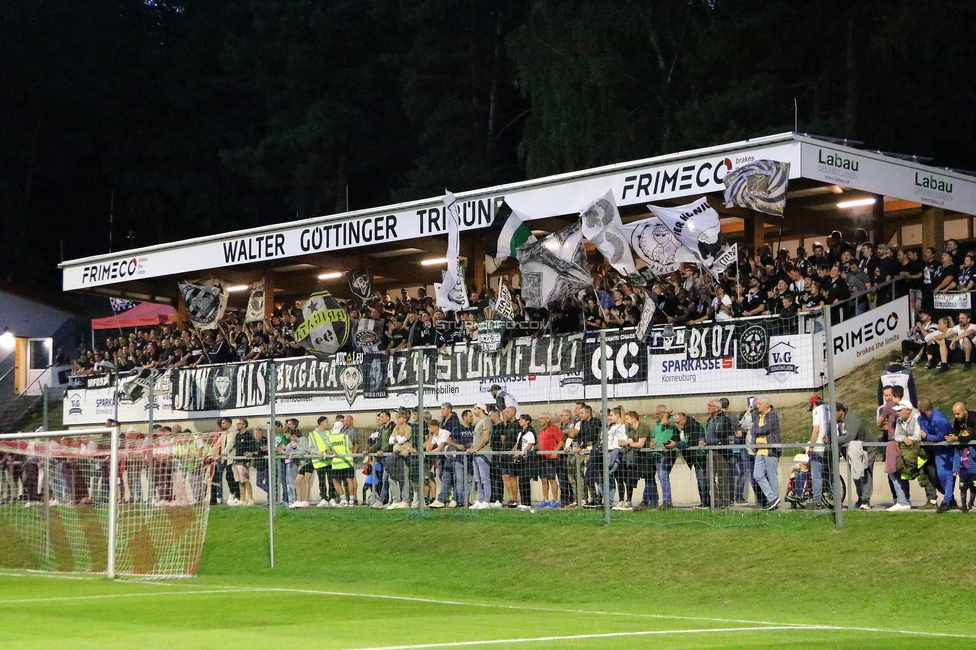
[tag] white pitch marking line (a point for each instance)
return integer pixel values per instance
(154, 594)
(576, 637)
(44, 574)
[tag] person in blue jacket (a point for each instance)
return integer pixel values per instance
(936, 428)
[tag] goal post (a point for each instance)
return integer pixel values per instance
(103, 501)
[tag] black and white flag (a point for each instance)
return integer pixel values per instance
(451, 294)
(760, 186)
(205, 302)
(360, 285)
(504, 307)
(602, 228)
(696, 227)
(120, 305)
(367, 335)
(133, 388)
(554, 268)
(255, 304)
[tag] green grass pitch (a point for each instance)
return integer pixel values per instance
(366, 579)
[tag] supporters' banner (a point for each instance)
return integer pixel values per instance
(367, 335)
(451, 295)
(554, 268)
(624, 359)
(696, 227)
(960, 301)
(544, 370)
(504, 307)
(205, 302)
(255, 304)
(120, 305)
(506, 234)
(760, 186)
(360, 285)
(93, 382)
(323, 325)
(602, 228)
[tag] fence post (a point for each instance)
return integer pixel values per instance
(421, 428)
(605, 443)
(832, 403)
(710, 470)
(272, 473)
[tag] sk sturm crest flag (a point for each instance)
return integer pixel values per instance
(451, 295)
(367, 335)
(760, 185)
(506, 233)
(255, 304)
(323, 326)
(205, 302)
(554, 268)
(601, 227)
(360, 285)
(697, 229)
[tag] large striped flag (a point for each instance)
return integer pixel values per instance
(506, 233)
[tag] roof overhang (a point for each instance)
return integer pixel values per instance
(652, 180)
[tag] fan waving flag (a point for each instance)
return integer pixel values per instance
(760, 186)
(322, 327)
(506, 233)
(450, 292)
(697, 229)
(255, 304)
(602, 228)
(554, 268)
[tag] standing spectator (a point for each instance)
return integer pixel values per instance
(820, 415)
(572, 485)
(550, 439)
(480, 453)
(339, 448)
(936, 429)
(691, 436)
(765, 430)
(504, 399)
(901, 459)
(720, 431)
(400, 465)
(500, 463)
(662, 441)
(462, 441)
(321, 462)
(380, 446)
(525, 465)
(744, 459)
(591, 437)
(853, 434)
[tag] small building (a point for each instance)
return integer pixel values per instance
(32, 332)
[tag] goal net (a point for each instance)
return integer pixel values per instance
(71, 501)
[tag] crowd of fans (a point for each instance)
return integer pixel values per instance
(760, 284)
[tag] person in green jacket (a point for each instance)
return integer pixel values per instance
(663, 443)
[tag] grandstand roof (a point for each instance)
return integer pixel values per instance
(392, 240)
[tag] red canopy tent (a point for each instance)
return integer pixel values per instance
(144, 314)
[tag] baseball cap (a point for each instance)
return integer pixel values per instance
(814, 401)
(482, 407)
(902, 405)
(495, 387)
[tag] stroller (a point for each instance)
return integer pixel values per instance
(799, 489)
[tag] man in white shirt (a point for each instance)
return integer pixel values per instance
(820, 414)
(960, 341)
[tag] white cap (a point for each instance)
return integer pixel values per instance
(131, 430)
(902, 405)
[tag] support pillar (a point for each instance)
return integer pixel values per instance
(933, 228)
(754, 235)
(876, 231)
(268, 297)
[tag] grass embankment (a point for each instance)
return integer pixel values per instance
(858, 391)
